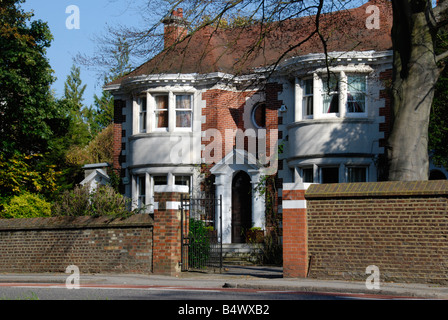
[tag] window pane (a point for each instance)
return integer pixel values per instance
(162, 102)
(308, 175)
(330, 175)
(308, 97)
(141, 181)
(182, 181)
(183, 119)
(142, 118)
(161, 119)
(356, 95)
(357, 174)
(160, 180)
(330, 94)
(259, 115)
(183, 102)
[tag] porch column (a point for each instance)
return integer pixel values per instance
(258, 201)
(223, 185)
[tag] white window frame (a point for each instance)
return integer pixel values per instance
(319, 88)
(172, 110)
(143, 114)
(176, 110)
(306, 97)
(155, 110)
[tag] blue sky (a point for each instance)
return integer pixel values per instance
(95, 15)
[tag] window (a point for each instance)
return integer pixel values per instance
(259, 115)
(160, 180)
(183, 111)
(329, 174)
(142, 117)
(141, 189)
(356, 174)
(330, 96)
(308, 99)
(183, 181)
(307, 175)
(356, 93)
(161, 112)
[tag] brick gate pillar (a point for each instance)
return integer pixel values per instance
(167, 234)
(295, 231)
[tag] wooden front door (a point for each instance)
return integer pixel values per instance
(241, 206)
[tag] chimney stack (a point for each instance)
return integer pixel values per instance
(175, 28)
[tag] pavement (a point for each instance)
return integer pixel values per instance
(238, 277)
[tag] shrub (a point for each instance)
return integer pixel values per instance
(104, 201)
(26, 205)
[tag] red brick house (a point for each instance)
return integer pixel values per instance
(209, 115)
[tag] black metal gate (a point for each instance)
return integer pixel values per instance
(201, 224)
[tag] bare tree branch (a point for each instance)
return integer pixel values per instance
(442, 56)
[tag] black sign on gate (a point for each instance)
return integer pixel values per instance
(201, 235)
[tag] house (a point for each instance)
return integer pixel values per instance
(207, 116)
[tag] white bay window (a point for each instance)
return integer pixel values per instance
(337, 94)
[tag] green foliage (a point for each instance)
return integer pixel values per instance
(27, 106)
(27, 173)
(199, 249)
(438, 127)
(105, 201)
(26, 205)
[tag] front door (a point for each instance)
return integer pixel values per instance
(241, 206)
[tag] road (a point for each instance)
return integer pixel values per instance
(59, 292)
(123, 292)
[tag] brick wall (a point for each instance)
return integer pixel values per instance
(336, 231)
(95, 245)
(401, 227)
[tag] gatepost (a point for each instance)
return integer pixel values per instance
(167, 233)
(295, 231)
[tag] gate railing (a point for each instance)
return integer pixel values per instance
(201, 235)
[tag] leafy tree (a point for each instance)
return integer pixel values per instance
(27, 108)
(101, 114)
(27, 173)
(73, 89)
(26, 205)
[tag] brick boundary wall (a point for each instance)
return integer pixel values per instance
(95, 245)
(400, 227)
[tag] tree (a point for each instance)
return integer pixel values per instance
(101, 115)
(73, 89)
(417, 66)
(28, 113)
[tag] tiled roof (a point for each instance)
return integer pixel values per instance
(232, 50)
